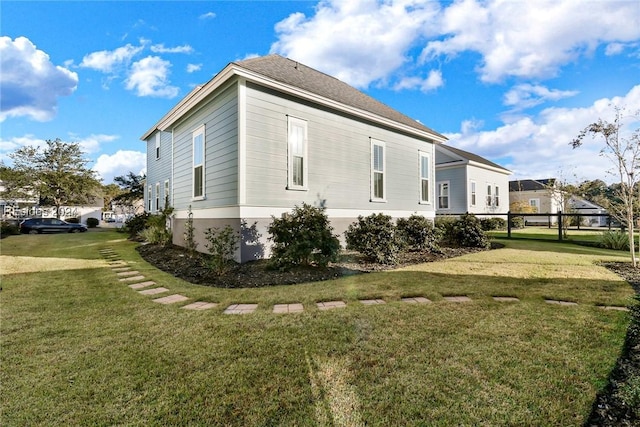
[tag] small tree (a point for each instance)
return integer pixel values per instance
(189, 234)
(624, 152)
(222, 245)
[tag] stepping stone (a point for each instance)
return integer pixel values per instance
(372, 301)
(506, 299)
(171, 299)
(117, 264)
(131, 279)
(613, 307)
(200, 305)
(127, 273)
(416, 300)
(142, 285)
(153, 291)
(329, 305)
(120, 268)
(241, 308)
(458, 298)
(288, 308)
(565, 303)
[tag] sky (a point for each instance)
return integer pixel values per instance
(514, 81)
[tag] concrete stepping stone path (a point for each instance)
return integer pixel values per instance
(132, 279)
(372, 301)
(153, 291)
(416, 300)
(288, 308)
(457, 298)
(127, 273)
(240, 309)
(613, 307)
(142, 285)
(560, 302)
(200, 305)
(171, 299)
(330, 305)
(506, 299)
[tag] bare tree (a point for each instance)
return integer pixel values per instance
(622, 148)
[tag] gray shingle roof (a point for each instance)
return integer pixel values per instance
(293, 73)
(530, 184)
(473, 157)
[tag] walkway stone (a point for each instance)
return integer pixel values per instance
(131, 279)
(127, 273)
(458, 298)
(288, 308)
(121, 269)
(241, 308)
(200, 305)
(329, 305)
(506, 299)
(171, 299)
(613, 307)
(117, 264)
(142, 285)
(416, 300)
(559, 302)
(372, 301)
(153, 291)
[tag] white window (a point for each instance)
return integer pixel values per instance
(377, 171)
(424, 178)
(443, 195)
(157, 196)
(473, 193)
(198, 163)
(535, 205)
(166, 193)
(157, 145)
(297, 162)
(496, 196)
(489, 198)
(149, 198)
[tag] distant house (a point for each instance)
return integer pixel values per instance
(466, 182)
(267, 134)
(582, 206)
(542, 195)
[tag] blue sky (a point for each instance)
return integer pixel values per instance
(513, 81)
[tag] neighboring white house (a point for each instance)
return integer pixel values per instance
(582, 206)
(267, 134)
(468, 183)
(543, 195)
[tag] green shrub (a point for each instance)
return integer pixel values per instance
(419, 233)
(9, 228)
(156, 235)
(136, 224)
(375, 237)
(489, 224)
(517, 222)
(92, 222)
(465, 231)
(616, 240)
(222, 245)
(302, 237)
(189, 234)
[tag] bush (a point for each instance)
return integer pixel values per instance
(376, 238)
(616, 240)
(465, 231)
(419, 233)
(136, 224)
(156, 235)
(222, 245)
(92, 222)
(517, 222)
(303, 237)
(189, 234)
(489, 224)
(9, 228)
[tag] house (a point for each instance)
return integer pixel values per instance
(542, 195)
(269, 133)
(468, 183)
(582, 206)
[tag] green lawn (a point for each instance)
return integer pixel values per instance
(80, 348)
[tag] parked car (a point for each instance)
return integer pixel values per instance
(50, 225)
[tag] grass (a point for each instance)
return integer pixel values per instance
(80, 348)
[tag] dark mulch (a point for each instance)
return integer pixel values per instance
(193, 268)
(609, 408)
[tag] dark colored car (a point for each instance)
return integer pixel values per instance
(49, 225)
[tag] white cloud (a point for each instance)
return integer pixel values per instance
(159, 48)
(359, 41)
(30, 83)
(539, 148)
(108, 61)
(531, 39)
(527, 95)
(120, 163)
(432, 82)
(150, 77)
(92, 143)
(614, 49)
(192, 68)
(208, 15)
